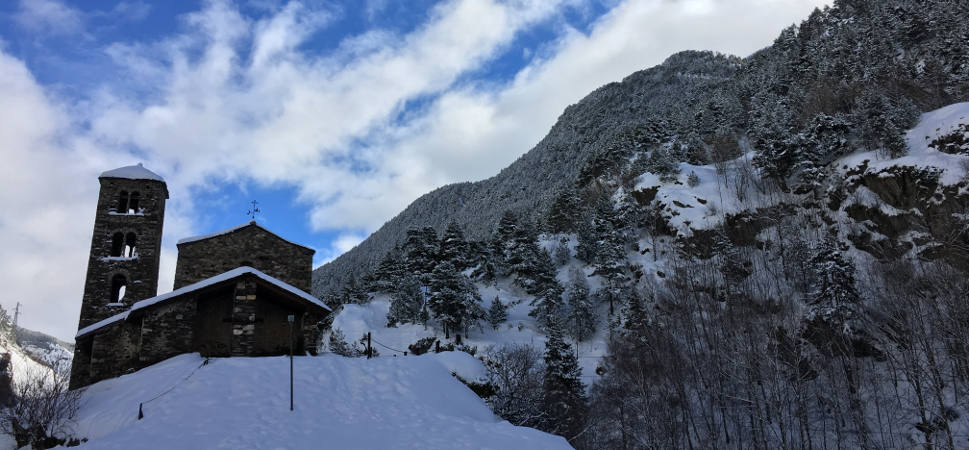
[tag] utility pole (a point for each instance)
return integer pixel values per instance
(291, 319)
(16, 317)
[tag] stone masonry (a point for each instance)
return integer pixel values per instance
(139, 270)
(250, 245)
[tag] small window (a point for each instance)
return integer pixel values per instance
(130, 242)
(118, 286)
(123, 202)
(133, 201)
(117, 244)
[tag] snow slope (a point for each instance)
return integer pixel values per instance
(356, 320)
(931, 126)
(341, 403)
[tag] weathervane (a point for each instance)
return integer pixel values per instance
(253, 211)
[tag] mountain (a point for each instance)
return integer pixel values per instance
(854, 54)
(46, 349)
(760, 252)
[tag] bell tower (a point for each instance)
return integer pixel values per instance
(123, 265)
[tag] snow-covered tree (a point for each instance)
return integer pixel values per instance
(497, 313)
(833, 316)
(548, 306)
(454, 300)
(563, 401)
(563, 215)
(454, 248)
(338, 344)
(407, 301)
(388, 272)
(582, 315)
(420, 252)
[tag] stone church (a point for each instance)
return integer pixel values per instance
(233, 295)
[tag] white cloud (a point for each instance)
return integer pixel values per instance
(233, 99)
(46, 221)
(49, 16)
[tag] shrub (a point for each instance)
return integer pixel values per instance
(42, 410)
(422, 345)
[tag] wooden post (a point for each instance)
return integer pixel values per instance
(291, 319)
(369, 348)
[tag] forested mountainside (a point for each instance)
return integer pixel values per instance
(769, 252)
(856, 58)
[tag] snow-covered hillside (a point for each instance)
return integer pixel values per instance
(342, 403)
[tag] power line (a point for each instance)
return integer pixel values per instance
(388, 348)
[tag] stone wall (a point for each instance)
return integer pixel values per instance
(167, 330)
(250, 246)
(244, 316)
(140, 271)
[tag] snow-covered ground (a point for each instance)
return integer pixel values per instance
(931, 126)
(341, 403)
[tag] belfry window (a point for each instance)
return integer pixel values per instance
(123, 203)
(133, 202)
(118, 285)
(128, 203)
(130, 242)
(117, 244)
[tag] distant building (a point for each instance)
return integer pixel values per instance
(234, 289)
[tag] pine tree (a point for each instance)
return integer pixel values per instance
(388, 272)
(833, 315)
(563, 399)
(490, 261)
(884, 122)
(454, 300)
(353, 293)
(420, 252)
(548, 306)
(497, 313)
(582, 317)
(587, 247)
(561, 255)
(825, 139)
(338, 344)
(407, 301)
(454, 248)
(563, 214)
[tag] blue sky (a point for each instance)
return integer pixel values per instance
(333, 115)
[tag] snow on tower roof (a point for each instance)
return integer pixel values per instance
(199, 285)
(235, 228)
(136, 172)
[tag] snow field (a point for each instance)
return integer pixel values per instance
(341, 403)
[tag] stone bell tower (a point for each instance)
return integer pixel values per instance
(123, 264)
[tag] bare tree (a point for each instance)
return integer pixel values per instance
(42, 411)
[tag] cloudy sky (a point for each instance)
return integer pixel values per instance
(334, 115)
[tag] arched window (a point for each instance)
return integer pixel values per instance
(130, 242)
(117, 244)
(123, 203)
(133, 199)
(118, 285)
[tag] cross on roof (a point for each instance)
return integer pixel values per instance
(253, 211)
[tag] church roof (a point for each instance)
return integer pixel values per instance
(234, 229)
(136, 172)
(199, 285)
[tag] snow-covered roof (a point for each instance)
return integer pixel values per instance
(136, 172)
(199, 285)
(232, 229)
